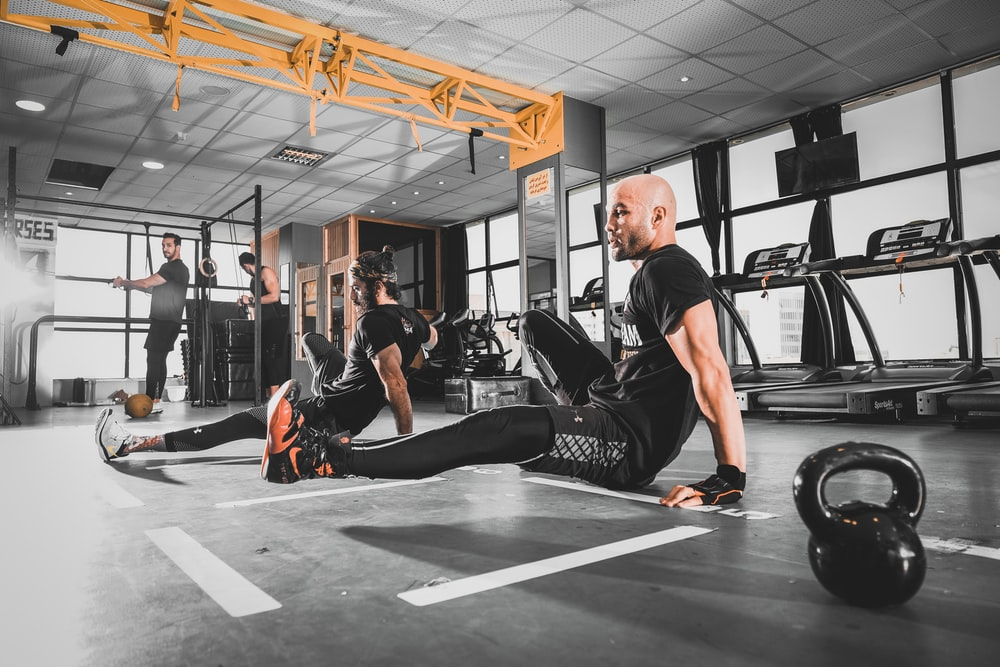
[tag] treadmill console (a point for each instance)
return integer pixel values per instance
(772, 261)
(920, 237)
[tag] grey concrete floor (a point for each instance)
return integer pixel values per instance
(189, 559)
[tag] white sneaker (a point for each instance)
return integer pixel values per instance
(110, 437)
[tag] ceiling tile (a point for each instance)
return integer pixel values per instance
(604, 35)
(797, 70)
(704, 25)
(820, 22)
(514, 19)
(752, 50)
(639, 15)
(635, 58)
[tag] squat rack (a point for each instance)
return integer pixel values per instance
(204, 231)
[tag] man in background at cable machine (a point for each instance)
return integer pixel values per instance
(167, 287)
(273, 323)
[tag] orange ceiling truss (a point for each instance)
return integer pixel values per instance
(269, 48)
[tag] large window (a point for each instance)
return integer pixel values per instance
(85, 262)
(977, 94)
(899, 132)
(493, 282)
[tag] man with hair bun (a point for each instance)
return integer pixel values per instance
(349, 391)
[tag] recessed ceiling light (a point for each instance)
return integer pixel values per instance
(393, 203)
(685, 79)
(69, 193)
(502, 157)
(150, 164)
(371, 210)
(440, 182)
(416, 192)
(215, 91)
(30, 105)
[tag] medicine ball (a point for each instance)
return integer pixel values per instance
(138, 405)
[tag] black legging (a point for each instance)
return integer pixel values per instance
(156, 372)
(326, 363)
(515, 434)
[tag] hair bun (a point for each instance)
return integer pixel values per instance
(388, 250)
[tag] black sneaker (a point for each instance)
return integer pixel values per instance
(293, 451)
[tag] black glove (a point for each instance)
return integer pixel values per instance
(722, 488)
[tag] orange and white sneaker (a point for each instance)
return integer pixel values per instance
(293, 451)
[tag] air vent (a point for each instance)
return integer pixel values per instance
(304, 156)
(78, 174)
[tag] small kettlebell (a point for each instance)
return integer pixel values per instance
(869, 555)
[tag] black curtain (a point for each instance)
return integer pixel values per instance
(819, 123)
(821, 247)
(707, 162)
(454, 260)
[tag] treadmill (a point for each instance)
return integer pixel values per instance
(764, 269)
(980, 399)
(887, 390)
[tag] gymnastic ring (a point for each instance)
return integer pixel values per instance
(207, 267)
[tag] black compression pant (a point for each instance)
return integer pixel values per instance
(250, 423)
(515, 434)
(326, 363)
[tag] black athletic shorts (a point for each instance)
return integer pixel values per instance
(162, 335)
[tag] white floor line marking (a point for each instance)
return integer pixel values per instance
(194, 459)
(750, 515)
(230, 589)
(422, 597)
(960, 546)
(328, 492)
(116, 496)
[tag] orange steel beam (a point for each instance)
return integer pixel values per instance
(269, 48)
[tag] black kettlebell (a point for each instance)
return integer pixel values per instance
(869, 555)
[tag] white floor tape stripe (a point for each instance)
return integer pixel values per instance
(483, 582)
(116, 496)
(600, 491)
(328, 492)
(961, 547)
(231, 590)
(730, 511)
(195, 460)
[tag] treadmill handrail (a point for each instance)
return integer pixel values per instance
(741, 325)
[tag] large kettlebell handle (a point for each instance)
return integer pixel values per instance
(809, 484)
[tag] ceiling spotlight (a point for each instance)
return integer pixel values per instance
(214, 91)
(68, 193)
(501, 157)
(29, 105)
(371, 210)
(393, 203)
(416, 192)
(440, 182)
(150, 164)
(685, 79)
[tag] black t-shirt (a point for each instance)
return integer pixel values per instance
(167, 301)
(651, 394)
(357, 396)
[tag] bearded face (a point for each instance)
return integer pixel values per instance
(362, 296)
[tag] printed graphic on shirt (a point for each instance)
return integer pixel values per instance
(407, 326)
